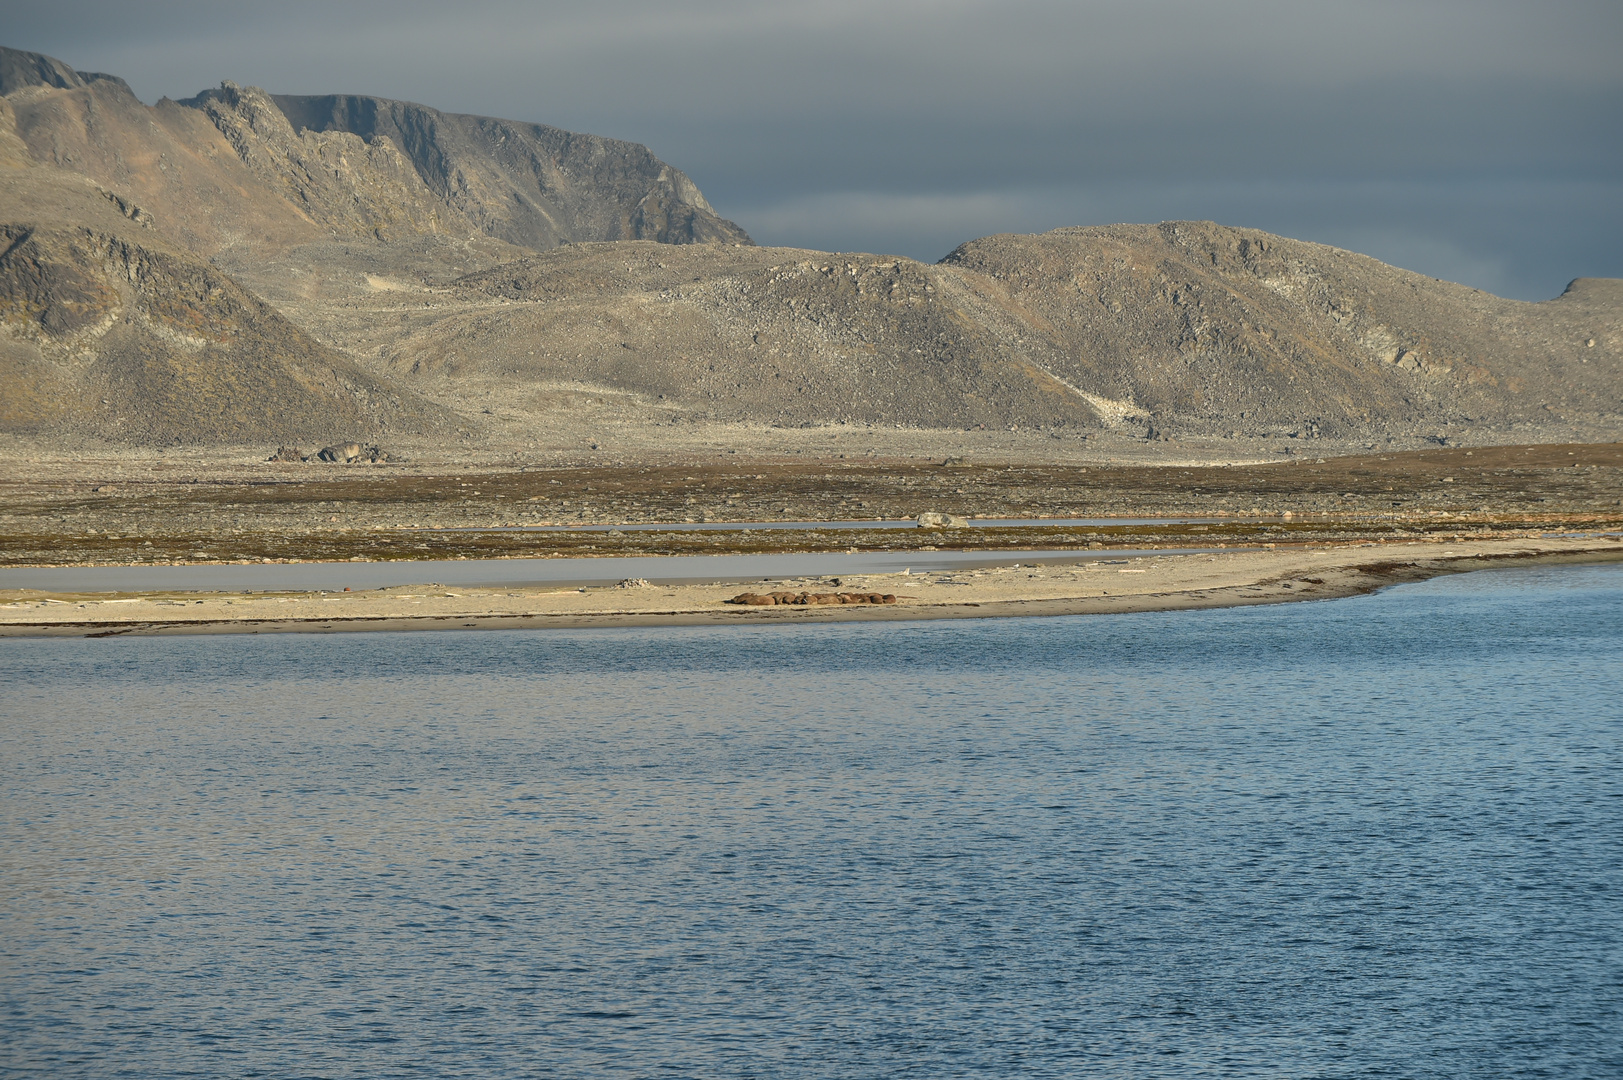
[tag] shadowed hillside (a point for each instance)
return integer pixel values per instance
(107, 330)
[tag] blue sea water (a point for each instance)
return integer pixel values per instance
(1364, 838)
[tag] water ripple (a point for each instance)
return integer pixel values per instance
(1375, 837)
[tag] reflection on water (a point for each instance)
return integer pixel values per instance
(1375, 837)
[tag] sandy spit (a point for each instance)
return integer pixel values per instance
(1148, 583)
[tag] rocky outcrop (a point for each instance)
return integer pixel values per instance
(347, 454)
(351, 453)
(529, 184)
(168, 160)
(347, 184)
(20, 70)
(107, 331)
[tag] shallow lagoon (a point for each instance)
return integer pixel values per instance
(1369, 837)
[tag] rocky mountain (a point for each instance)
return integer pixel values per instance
(1184, 327)
(236, 167)
(529, 184)
(244, 265)
(1205, 326)
(117, 221)
(20, 70)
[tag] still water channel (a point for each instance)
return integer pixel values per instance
(1380, 836)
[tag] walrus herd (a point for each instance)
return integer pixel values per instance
(805, 598)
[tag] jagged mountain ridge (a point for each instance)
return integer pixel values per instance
(112, 325)
(20, 70)
(231, 167)
(521, 182)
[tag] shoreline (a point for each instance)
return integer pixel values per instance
(1168, 583)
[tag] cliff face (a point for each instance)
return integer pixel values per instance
(529, 184)
(236, 167)
(349, 185)
(20, 70)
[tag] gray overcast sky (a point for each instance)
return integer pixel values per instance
(1475, 140)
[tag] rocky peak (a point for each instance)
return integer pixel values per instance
(529, 184)
(20, 70)
(351, 185)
